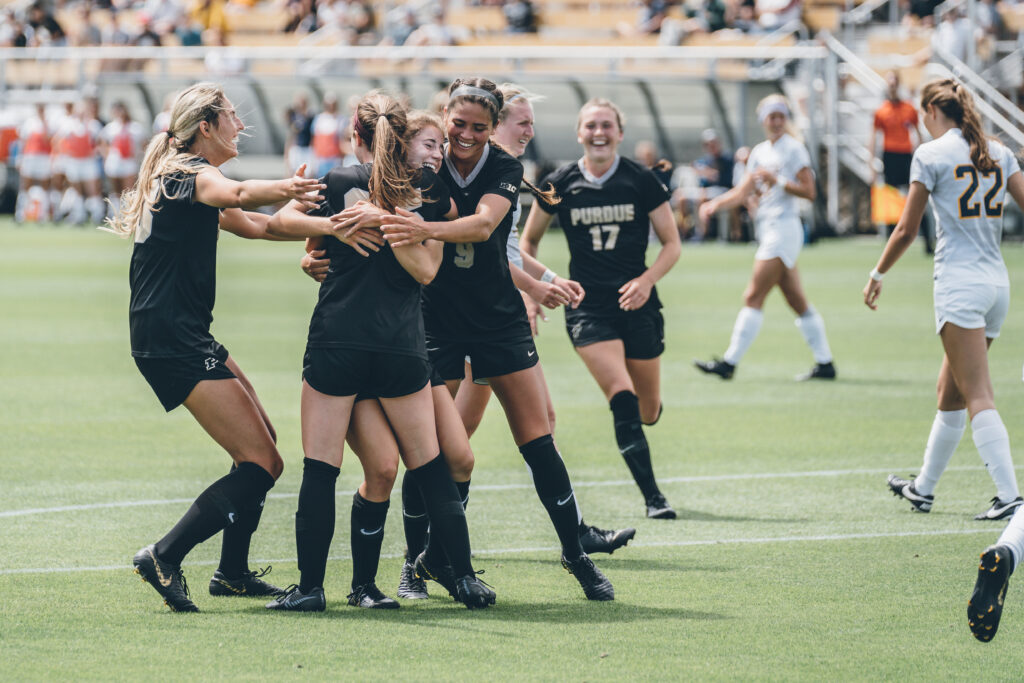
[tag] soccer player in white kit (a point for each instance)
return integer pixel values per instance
(967, 178)
(778, 172)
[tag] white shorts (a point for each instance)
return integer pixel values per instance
(780, 240)
(116, 166)
(34, 166)
(971, 306)
(81, 170)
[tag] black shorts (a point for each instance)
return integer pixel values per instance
(642, 332)
(375, 374)
(173, 379)
(896, 168)
(489, 359)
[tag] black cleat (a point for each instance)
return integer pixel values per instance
(595, 585)
(425, 569)
(986, 603)
(411, 586)
(715, 367)
(1000, 509)
(473, 593)
(250, 585)
(658, 508)
(294, 600)
(370, 597)
(595, 540)
(904, 488)
(166, 578)
(819, 371)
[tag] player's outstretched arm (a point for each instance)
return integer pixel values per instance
(899, 241)
(214, 189)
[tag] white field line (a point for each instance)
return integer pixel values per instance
(499, 487)
(554, 549)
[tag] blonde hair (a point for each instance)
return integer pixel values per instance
(168, 152)
(791, 129)
(953, 100)
(601, 102)
(383, 120)
(512, 93)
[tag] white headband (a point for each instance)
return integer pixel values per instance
(769, 108)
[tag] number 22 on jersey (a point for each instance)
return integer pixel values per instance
(971, 207)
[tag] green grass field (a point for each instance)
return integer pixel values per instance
(790, 559)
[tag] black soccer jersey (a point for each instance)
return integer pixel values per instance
(370, 303)
(173, 273)
(607, 227)
(473, 297)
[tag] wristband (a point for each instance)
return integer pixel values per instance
(548, 276)
(875, 275)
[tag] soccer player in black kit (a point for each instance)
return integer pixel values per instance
(608, 205)
(472, 308)
(173, 213)
(367, 337)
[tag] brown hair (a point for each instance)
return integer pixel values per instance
(419, 119)
(953, 100)
(385, 123)
(485, 102)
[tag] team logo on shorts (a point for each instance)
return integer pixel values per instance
(211, 363)
(576, 330)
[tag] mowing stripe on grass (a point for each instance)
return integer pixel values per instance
(501, 487)
(554, 549)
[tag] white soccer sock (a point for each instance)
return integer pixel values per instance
(812, 327)
(993, 444)
(1013, 537)
(19, 205)
(744, 332)
(947, 430)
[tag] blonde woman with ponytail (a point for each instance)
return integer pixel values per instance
(173, 213)
(966, 177)
(366, 341)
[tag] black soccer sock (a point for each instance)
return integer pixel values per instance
(215, 508)
(414, 518)
(234, 547)
(444, 508)
(629, 434)
(463, 488)
(434, 550)
(314, 521)
(554, 489)
(367, 527)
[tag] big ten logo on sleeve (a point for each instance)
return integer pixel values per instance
(508, 187)
(603, 222)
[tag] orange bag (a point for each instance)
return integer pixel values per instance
(886, 204)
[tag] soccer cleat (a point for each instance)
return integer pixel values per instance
(1000, 509)
(411, 586)
(294, 600)
(425, 569)
(904, 488)
(595, 540)
(819, 371)
(596, 585)
(166, 578)
(986, 603)
(369, 596)
(249, 585)
(658, 508)
(715, 367)
(473, 593)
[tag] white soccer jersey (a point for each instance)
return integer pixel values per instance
(785, 158)
(968, 206)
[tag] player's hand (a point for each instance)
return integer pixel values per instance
(550, 294)
(765, 177)
(306, 191)
(635, 293)
(403, 228)
(575, 289)
(360, 215)
(361, 240)
(533, 312)
(871, 292)
(315, 265)
(707, 210)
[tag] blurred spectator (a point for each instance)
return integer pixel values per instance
(301, 16)
(84, 32)
(122, 142)
(645, 153)
(434, 31)
(920, 12)
(210, 14)
(774, 14)
(648, 21)
(221, 60)
(41, 27)
(520, 16)
(145, 36)
(297, 148)
(34, 168)
(12, 31)
(328, 132)
(715, 172)
(399, 24)
(164, 16)
(188, 32)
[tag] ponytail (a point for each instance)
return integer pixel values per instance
(385, 122)
(955, 102)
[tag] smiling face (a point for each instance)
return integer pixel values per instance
(516, 131)
(774, 125)
(425, 149)
(221, 141)
(469, 126)
(599, 133)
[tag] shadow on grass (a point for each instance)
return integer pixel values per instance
(700, 516)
